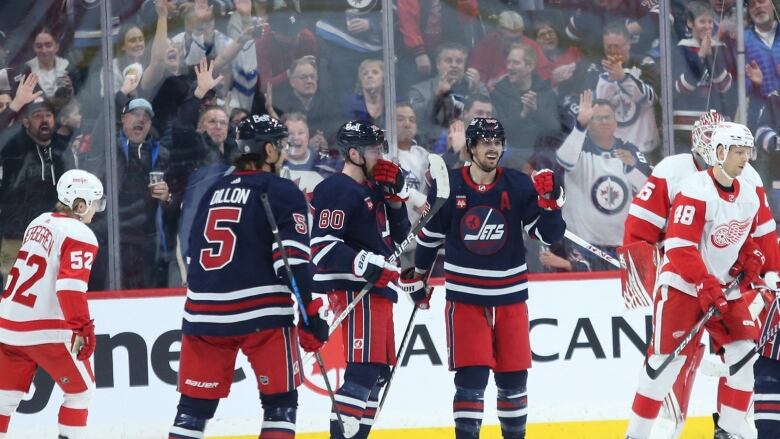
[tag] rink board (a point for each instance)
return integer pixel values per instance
(585, 368)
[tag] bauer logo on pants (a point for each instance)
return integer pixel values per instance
(483, 230)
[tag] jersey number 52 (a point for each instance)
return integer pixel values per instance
(22, 295)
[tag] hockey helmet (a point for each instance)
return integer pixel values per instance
(358, 134)
(484, 128)
(727, 134)
(702, 133)
(254, 131)
(77, 183)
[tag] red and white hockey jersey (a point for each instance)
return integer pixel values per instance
(707, 228)
(647, 216)
(53, 264)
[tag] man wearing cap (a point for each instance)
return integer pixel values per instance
(31, 162)
(141, 234)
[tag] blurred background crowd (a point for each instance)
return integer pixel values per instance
(146, 93)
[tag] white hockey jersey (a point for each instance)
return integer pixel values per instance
(56, 257)
(599, 187)
(650, 208)
(707, 228)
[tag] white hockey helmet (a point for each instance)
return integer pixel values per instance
(727, 134)
(77, 183)
(702, 133)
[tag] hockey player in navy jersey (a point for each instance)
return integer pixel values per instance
(359, 215)
(239, 296)
(485, 275)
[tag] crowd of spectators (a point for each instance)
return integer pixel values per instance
(576, 84)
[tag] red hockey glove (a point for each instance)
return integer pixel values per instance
(749, 262)
(83, 341)
(373, 268)
(390, 176)
(315, 334)
(551, 196)
(710, 293)
(413, 283)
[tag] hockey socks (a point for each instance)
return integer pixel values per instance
(512, 403)
(279, 413)
(372, 404)
(469, 402)
(734, 397)
(9, 401)
(191, 417)
(767, 397)
(650, 394)
(352, 397)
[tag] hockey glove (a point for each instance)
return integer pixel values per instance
(710, 293)
(390, 176)
(413, 283)
(551, 195)
(83, 341)
(749, 262)
(315, 334)
(373, 268)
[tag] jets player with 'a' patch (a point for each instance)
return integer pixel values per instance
(359, 216)
(239, 296)
(486, 277)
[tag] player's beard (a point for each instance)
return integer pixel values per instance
(486, 165)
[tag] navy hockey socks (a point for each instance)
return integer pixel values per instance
(192, 416)
(372, 404)
(469, 402)
(512, 403)
(279, 413)
(352, 397)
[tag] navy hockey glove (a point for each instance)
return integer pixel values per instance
(749, 262)
(315, 334)
(710, 293)
(373, 268)
(390, 176)
(548, 187)
(413, 283)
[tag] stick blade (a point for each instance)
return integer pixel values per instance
(440, 175)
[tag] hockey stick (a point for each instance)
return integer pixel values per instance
(653, 373)
(571, 236)
(275, 230)
(439, 174)
(401, 350)
(768, 336)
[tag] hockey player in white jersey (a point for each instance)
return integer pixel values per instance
(708, 242)
(44, 316)
(647, 222)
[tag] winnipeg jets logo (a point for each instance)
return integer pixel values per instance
(483, 230)
(730, 233)
(609, 194)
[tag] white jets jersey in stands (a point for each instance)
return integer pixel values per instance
(56, 255)
(712, 222)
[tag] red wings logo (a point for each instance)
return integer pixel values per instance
(730, 233)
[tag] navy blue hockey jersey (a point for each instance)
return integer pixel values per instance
(480, 227)
(237, 283)
(349, 217)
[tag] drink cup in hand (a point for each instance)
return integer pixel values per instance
(156, 177)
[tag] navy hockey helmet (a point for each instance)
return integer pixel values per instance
(254, 131)
(484, 128)
(359, 135)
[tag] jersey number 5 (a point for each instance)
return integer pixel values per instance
(22, 295)
(684, 214)
(221, 235)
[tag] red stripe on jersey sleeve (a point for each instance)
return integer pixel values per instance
(638, 230)
(686, 219)
(76, 260)
(74, 308)
(654, 197)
